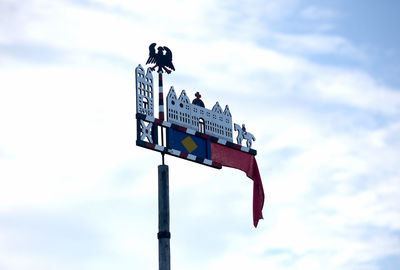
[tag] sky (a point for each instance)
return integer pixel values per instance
(316, 82)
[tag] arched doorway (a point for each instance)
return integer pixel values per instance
(201, 128)
(145, 103)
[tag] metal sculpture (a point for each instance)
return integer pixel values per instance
(193, 115)
(193, 133)
(197, 101)
(146, 131)
(144, 91)
(161, 60)
(190, 127)
(243, 134)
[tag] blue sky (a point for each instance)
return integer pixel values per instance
(316, 82)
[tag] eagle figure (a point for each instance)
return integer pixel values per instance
(161, 60)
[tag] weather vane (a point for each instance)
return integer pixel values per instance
(194, 133)
(161, 60)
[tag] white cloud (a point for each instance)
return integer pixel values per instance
(318, 13)
(327, 145)
(356, 89)
(317, 44)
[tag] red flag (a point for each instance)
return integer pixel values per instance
(247, 163)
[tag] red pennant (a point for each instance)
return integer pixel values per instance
(247, 163)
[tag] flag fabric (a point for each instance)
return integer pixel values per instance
(247, 163)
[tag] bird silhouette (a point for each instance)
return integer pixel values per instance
(161, 60)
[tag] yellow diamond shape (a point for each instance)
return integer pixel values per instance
(189, 144)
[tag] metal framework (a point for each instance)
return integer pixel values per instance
(191, 132)
(190, 127)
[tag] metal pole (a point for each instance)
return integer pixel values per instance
(161, 107)
(160, 97)
(164, 235)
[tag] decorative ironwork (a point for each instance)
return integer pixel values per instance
(189, 126)
(193, 133)
(215, 122)
(197, 101)
(243, 134)
(161, 60)
(144, 91)
(146, 131)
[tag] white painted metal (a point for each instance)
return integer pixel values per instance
(167, 124)
(208, 162)
(215, 122)
(244, 135)
(221, 141)
(150, 118)
(146, 131)
(245, 149)
(191, 157)
(249, 139)
(159, 147)
(191, 131)
(181, 111)
(144, 91)
(174, 152)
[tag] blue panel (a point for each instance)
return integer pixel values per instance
(176, 140)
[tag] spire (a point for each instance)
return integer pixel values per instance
(183, 97)
(217, 108)
(171, 93)
(148, 74)
(227, 111)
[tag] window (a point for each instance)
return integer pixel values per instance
(145, 103)
(201, 125)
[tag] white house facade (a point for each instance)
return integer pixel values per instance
(144, 91)
(215, 122)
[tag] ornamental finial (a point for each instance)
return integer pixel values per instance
(161, 60)
(197, 101)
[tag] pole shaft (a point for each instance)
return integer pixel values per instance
(164, 235)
